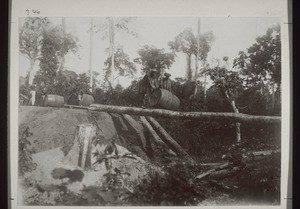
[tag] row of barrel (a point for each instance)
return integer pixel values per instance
(53, 100)
(160, 98)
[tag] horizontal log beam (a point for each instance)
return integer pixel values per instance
(202, 116)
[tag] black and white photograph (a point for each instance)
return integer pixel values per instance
(150, 110)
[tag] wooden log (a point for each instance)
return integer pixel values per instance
(202, 116)
(167, 138)
(138, 129)
(210, 164)
(265, 152)
(118, 120)
(155, 136)
(205, 174)
(225, 173)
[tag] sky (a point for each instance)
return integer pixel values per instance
(232, 34)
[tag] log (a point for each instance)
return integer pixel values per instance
(225, 173)
(265, 152)
(118, 120)
(137, 127)
(155, 136)
(203, 175)
(167, 138)
(201, 116)
(210, 164)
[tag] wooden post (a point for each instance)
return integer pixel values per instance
(80, 152)
(85, 134)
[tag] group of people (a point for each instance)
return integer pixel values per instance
(150, 82)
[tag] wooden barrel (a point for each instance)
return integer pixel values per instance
(87, 100)
(165, 99)
(52, 100)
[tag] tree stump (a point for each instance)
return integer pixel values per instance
(80, 153)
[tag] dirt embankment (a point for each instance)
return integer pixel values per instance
(55, 127)
(52, 140)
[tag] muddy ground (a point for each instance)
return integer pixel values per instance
(163, 179)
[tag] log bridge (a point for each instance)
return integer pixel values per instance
(200, 116)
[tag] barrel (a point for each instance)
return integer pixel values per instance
(164, 99)
(87, 100)
(52, 100)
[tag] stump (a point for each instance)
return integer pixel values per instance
(80, 153)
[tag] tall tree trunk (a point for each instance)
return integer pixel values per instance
(189, 70)
(111, 46)
(91, 53)
(204, 86)
(237, 125)
(62, 62)
(273, 97)
(198, 47)
(235, 110)
(261, 86)
(31, 73)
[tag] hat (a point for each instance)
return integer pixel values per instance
(167, 74)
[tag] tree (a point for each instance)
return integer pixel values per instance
(186, 42)
(230, 85)
(53, 47)
(49, 62)
(262, 61)
(151, 57)
(30, 41)
(110, 28)
(68, 43)
(123, 65)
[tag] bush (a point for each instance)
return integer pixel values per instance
(173, 186)
(26, 163)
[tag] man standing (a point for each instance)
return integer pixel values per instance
(153, 80)
(147, 85)
(32, 96)
(166, 82)
(80, 96)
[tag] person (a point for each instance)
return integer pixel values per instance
(146, 86)
(80, 95)
(143, 90)
(32, 96)
(166, 82)
(153, 80)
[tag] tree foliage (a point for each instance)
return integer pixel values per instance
(261, 67)
(262, 61)
(229, 82)
(151, 57)
(123, 64)
(31, 35)
(186, 42)
(54, 45)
